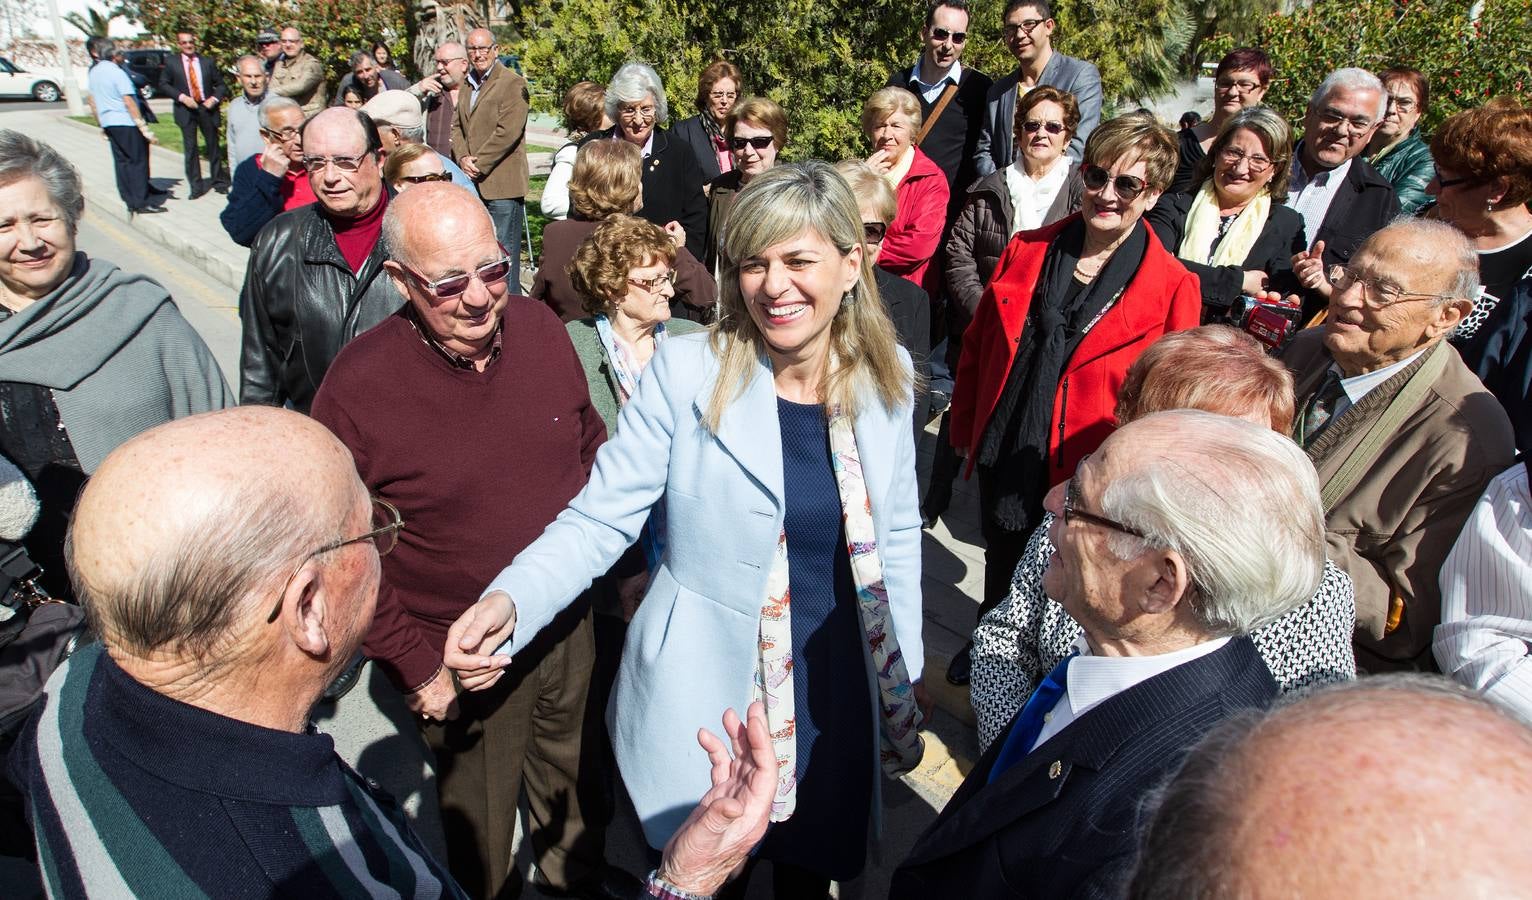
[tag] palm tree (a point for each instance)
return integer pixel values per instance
(95, 22)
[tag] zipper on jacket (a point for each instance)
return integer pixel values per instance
(1063, 414)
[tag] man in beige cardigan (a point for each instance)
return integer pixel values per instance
(299, 74)
(489, 141)
(1404, 436)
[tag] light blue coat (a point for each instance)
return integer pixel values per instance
(691, 650)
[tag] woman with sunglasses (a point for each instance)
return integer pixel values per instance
(891, 120)
(413, 164)
(1213, 368)
(1239, 82)
(1233, 229)
(756, 131)
(1069, 309)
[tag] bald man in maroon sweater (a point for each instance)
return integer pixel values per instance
(468, 410)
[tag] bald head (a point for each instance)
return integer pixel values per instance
(481, 50)
(185, 533)
(1388, 786)
(421, 221)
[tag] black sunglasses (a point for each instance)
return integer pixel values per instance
(874, 232)
(942, 34)
(759, 142)
(1444, 183)
(1050, 127)
(1127, 186)
(422, 179)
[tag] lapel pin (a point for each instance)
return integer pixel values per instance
(1055, 770)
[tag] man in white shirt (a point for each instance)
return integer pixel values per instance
(1485, 639)
(1404, 436)
(1183, 532)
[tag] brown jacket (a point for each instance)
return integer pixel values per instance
(493, 130)
(302, 79)
(1392, 531)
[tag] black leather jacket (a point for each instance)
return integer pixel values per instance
(301, 304)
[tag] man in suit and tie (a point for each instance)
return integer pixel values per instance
(1181, 534)
(1403, 434)
(197, 87)
(1028, 34)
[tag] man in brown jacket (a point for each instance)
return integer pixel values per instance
(489, 141)
(299, 74)
(1404, 436)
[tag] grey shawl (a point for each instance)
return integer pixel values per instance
(117, 355)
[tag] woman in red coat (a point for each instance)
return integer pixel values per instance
(892, 120)
(1069, 309)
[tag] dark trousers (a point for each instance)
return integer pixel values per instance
(524, 732)
(1003, 547)
(130, 157)
(206, 121)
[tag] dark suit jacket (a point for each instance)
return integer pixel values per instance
(694, 134)
(1364, 204)
(1064, 821)
(997, 147)
(1280, 238)
(173, 84)
(955, 136)
(672, 181)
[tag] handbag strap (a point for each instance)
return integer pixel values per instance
(948, 93)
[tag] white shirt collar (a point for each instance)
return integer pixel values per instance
(648, 142)
(954, 75)
(1093, 680)
(1359, 386)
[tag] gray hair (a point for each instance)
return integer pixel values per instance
(1239, 503)
(1184, 853)
(250, 56)
(272, 104)
(634, 83)
(101, 47)
(416, 135)
(1351, 79)
(1435, 233)
(24, 157)
(360, 57)
(870, 187)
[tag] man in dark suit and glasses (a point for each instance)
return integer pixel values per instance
(197, 87)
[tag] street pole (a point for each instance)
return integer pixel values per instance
(67, 75)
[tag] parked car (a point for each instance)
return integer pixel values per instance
(147, 64)
(44, 85)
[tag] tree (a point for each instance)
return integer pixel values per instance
(95, 22)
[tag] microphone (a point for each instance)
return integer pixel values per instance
(18, 503)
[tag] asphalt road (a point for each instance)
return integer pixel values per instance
(8, 104)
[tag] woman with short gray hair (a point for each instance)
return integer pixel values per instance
(89, 355)
(672, 177)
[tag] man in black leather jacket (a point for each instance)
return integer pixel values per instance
(315, 278)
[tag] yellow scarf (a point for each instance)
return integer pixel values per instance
(1202, 222)
(900, 169)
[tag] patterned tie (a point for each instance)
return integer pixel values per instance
(1030, 723)
(191, 78)
(1321, 407)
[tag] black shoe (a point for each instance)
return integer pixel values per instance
(221, 188)
(612, 884)
(199, 190)
(940, 403)
(961, 667)
(144, 209)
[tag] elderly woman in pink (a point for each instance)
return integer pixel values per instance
(892, 122)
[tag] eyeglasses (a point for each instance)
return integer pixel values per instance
(1403, 104)
(1127, 186)
(723, 95)
(1025, 26)
(286, 134)
(1333, 119)
(636, 112)
(1229, 84)
(316, 164)
(455, 285)
(1443, 183)
(759, 142)
(942, 34)
(1031, 126)
(1073, 512)
(472, 49)
(1233, 156)
(655, 284)
(428, 177)
(386, 522)
(874, 232)
(449, 60)
(1376, 294)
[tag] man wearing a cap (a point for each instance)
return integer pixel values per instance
(269, 47)
(401, 121)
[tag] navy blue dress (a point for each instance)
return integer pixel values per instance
(836, 762)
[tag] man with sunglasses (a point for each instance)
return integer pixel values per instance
(1402, 433)
(315, 278)
(466, 358)
(1028, 34)
(272, 180)
(400, 121)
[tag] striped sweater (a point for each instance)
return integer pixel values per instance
(133, 794)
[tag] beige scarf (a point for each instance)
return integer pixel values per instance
(1202, 222)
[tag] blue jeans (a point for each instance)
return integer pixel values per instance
(509, 217)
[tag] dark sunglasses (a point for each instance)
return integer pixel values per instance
(422, 179)
(1444, 183)
(1050, 127)
(759, 142)
(1126, 186)
(942, 34)
(874, 232)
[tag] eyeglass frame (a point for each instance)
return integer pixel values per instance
(1025, 26)
(469, 48)
(1029, 126)
(867, 235)
(433, 287)
(394, 527)
(1127, 192)
(638, 112)
(759, 142)
(286, 134)
(355, 162)
(723, 95)
(1331, 118)
(1240, 156)
(1403, 104)
(1244, 87)
(957, 37)
(1337, 273)
(1072, 510)
(426, 178)
(657, 283)
(1443, 183)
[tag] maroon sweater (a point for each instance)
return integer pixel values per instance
(479, 463)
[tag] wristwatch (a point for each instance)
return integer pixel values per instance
(664, 890)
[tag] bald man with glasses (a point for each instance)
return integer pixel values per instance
(438, 93)
(489, 140)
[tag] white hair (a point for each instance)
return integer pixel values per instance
(274, 103)
(1464, 258)
(634, 83)
(416, 135)
(1238, 502)
(1351, 79)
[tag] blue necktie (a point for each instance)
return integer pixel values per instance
(1030, 723)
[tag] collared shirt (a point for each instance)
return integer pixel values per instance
(476, 81)
(108, 85)
(648, 142)
(1359, 386)
(1310, 196)
(193, 74)
(1031, 198)
(1485, 639)
(1092, 680)
(932, 92)
(456, 360)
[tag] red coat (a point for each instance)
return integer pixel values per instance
(1162, 297)
(916, 232)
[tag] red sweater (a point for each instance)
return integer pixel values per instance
(479, 463)
(916, 231)
(1162, 297)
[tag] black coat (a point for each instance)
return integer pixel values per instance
(1364, 204)
(1501, 355)
(910, 307)
(173, 85)
(1272, 253)
(301, 304)
(954, 138)
(694, 134)
(1064, 821)
(672, 180)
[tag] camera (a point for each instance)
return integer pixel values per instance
(1271, 323)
